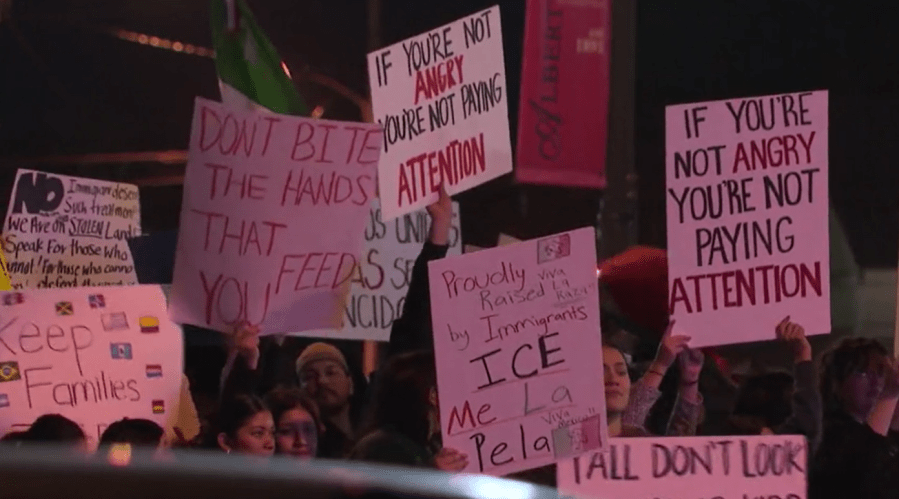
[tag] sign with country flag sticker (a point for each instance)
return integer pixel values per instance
(90, 369)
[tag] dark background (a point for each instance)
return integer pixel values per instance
(68, 87)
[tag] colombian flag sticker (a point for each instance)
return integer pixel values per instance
(149, 324)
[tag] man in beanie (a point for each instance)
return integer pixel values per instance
(325, 376)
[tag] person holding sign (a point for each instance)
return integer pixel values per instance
(860, 390)
(644, 394)
(248, 370)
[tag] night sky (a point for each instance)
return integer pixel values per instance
(67, 87)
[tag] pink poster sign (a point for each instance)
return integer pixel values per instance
(273, 219)
(564, 103)
(690, 467)
(519, 354)
(747, 210)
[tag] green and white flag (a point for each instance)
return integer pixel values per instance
(251, 75)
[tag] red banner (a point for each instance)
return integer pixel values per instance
(564, 93)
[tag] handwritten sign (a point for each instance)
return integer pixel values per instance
(690, 468)
(747, 209)
(441, 98)
(516, 331)
(382, 279)
(272, 220)
(94, 355)
(63, 232)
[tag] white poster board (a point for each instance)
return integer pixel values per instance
(63, 232)
(93, 355)
(441, 98)
(690, 468)
(517, 338)
(747, 210)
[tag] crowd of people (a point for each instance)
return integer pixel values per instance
(845, 405)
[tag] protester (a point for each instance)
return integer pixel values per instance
(297, 423)
(245, 426)
(777, 403)
(860, 390)
(404, 422)
(56, 429)
(125, 438)
(640, 396)
(325, 377)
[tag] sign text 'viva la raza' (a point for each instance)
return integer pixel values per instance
(747, 216)
(63, 232)
(765, 466)
(272, 220)
(518, 372)
(441, 99)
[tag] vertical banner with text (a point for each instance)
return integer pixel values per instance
(273, 218)
(747, 205)
(564, 104)
(441, 98)
(519, 371)
(380, 286)
(94, 355)
(63, 232)
(689, 468)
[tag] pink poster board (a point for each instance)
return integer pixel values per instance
(519, 354)
(747, 210)
(441, 97)
(690, 467)
(94, 355)
(273, 219)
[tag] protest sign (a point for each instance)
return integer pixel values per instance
(93, 355)
(382, 279)
(564, 100)
(441, 98)
(747, 217)
(519, 355)
(272, 220)
(63, 232)
(690, 468)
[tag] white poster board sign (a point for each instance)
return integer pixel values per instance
(272, 220)
(93, 355)
(63, 232)
(747, 210)
(519, 370)
(689, 468)
(442, 99)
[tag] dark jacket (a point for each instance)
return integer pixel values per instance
(853, 461)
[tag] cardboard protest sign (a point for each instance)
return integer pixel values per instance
(63, 232)
(441, 98)
(382, 279)
(690, 467)
(747, 216)
(93, 355)
(519, 355)
(272, 220)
